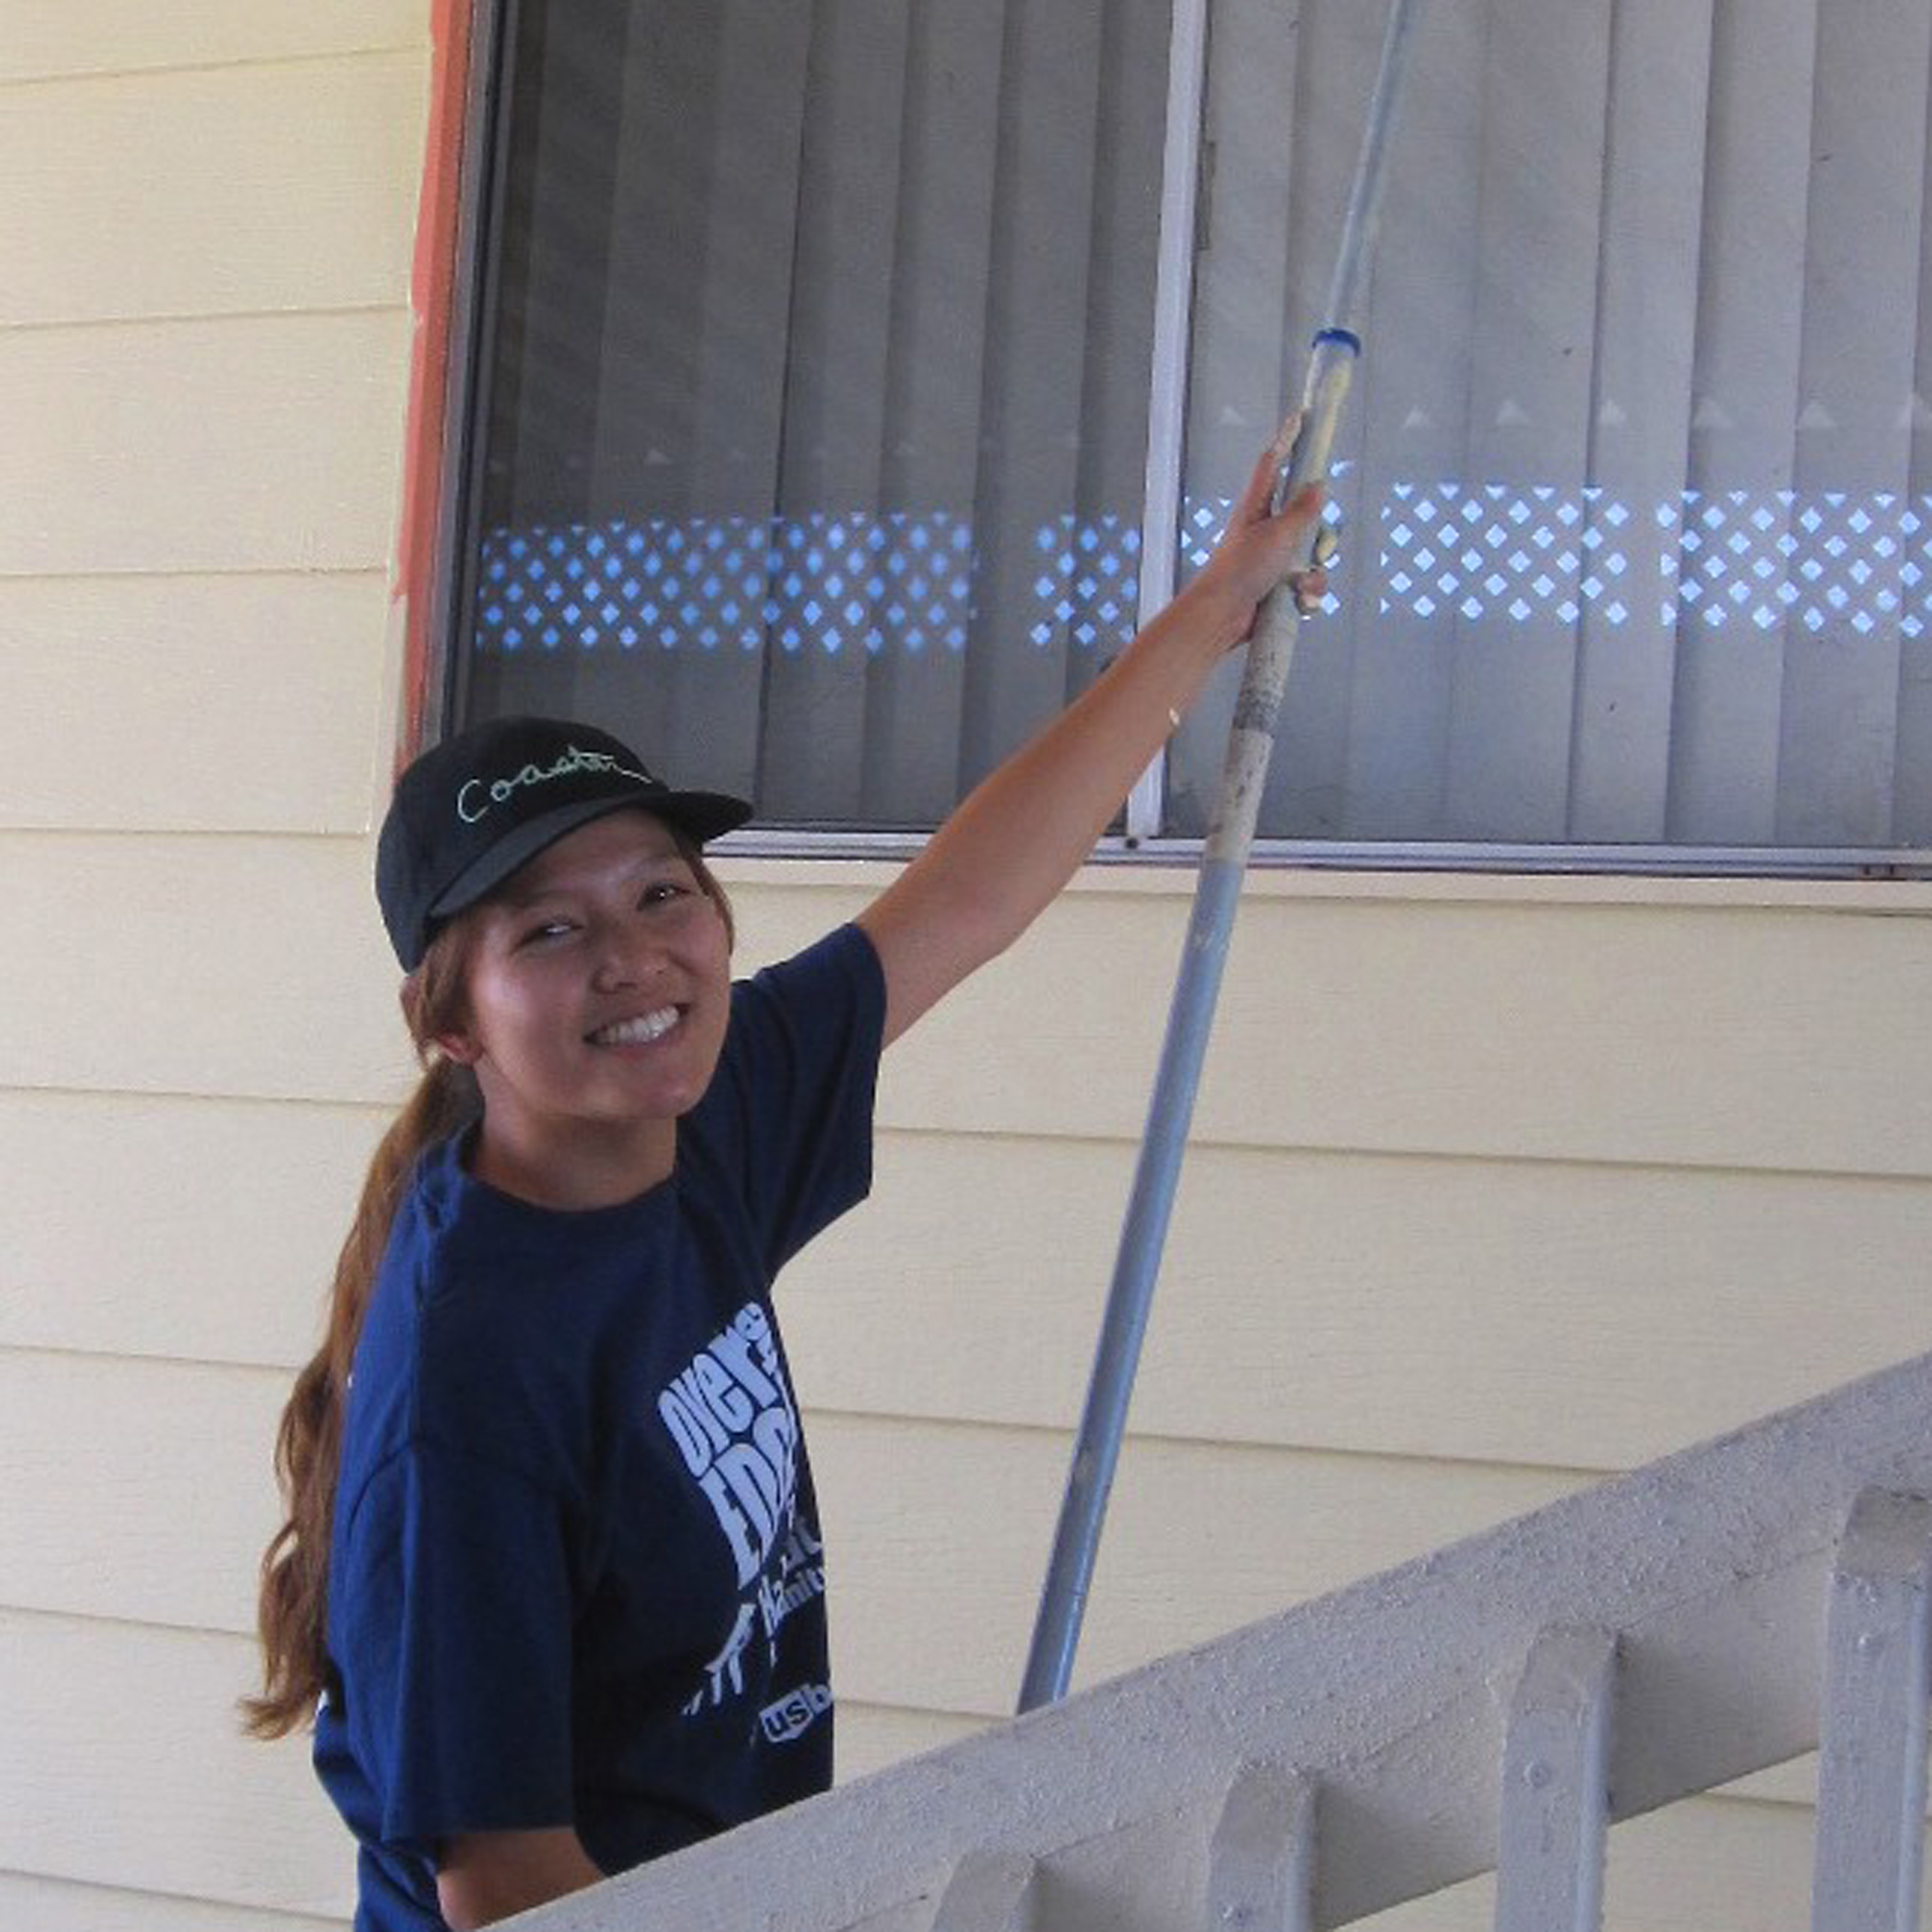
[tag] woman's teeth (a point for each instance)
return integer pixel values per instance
(639, 1032)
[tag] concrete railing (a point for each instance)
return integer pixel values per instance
(1494, 1705)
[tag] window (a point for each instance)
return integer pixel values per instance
(817, 415)
(852, 371)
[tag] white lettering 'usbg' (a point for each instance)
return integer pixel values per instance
(476, 797)
(794, 1713)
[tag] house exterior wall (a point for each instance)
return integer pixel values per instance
(1498, 1184)
(205, 335)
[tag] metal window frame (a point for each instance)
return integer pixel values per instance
(472, 328)
(1758, 862)
(1173, 334)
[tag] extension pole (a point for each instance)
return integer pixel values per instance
(1250, 746)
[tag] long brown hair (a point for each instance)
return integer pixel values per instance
(292, 1610)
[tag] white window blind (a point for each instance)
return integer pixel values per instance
(818, 392)
(820, 338)
(1638, 539)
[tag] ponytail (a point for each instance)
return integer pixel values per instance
(293, 1606)
(292, 1611)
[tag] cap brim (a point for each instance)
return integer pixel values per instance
(703, 815)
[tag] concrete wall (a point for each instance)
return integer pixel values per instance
(1500, 1183)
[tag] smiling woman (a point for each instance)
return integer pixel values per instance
(552, 1580)
(534, 1627)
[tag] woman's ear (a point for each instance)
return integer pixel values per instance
(459, 1046)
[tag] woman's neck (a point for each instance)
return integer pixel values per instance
(594, 1171)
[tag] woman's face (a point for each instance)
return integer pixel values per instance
(597, 987)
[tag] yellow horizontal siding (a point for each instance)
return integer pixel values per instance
(939, 1536)
(1594, 1316)
(204, 362)
(1623, 1033)
(123, 1767)
(1810, 1059)
(279, 188)
(114, 36)
(246, 443)
(184, 965)
(939, 1531)
(184, 1229)
(232, 704)
(173, 1461)
(874, 1737)
(1544, 1028)
(57, 1905)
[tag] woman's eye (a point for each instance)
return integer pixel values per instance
(548, 929)
(663, 891)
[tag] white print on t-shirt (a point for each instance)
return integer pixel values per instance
(725, 1668)
(793, 1714)
(731, 1416)
(801, 1576)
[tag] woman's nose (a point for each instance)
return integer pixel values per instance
(627, 954)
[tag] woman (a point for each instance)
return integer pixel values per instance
(551, 1579)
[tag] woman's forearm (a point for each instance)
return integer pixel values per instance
(1004, 855)
(483, 1876)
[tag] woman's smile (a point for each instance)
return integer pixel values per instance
(642, 1031)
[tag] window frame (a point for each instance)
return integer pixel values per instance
(478, 47)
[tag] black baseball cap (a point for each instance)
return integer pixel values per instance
(473, 808)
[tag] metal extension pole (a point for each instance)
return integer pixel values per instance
(1250, 746)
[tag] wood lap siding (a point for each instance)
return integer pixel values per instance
(229, 443)
(262, 971)
(1316, 1296)
(54, 1905)
(281, 201)
(1536, 1021)
(125, 36)
(138, 672)
(227, 1217)
(204, 336)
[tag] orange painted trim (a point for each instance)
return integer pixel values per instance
(428, 446)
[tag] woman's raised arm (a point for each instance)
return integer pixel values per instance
(1002, 857)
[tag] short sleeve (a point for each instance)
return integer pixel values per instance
(454, 1652)
(797, 1086)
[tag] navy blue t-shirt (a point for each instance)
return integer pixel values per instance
(576, 1577)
